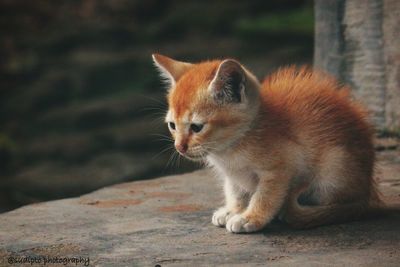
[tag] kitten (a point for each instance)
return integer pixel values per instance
(294, 147)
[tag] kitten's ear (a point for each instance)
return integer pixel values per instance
(229, 82)
(169, 68)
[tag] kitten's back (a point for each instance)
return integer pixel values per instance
(316, 106)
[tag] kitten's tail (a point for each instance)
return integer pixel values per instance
(303, 217)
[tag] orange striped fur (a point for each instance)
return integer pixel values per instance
(295, 146)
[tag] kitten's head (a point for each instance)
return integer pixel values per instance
(211, 104)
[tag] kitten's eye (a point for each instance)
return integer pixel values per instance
(196, 127)
(171, 125)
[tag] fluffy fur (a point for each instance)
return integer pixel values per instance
(295, 146)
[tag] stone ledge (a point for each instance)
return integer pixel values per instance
(166, 221)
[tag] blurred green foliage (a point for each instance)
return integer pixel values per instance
(388, 133)
(6, 143)
(8, 152)
(299, 21)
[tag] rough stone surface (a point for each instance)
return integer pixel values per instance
(167, 222)
(359, 42)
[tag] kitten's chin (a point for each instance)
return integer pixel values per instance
(195, 158)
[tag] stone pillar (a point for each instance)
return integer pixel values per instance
(358, 41)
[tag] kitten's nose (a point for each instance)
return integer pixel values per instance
(182, 147)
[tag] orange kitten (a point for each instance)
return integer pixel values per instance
(294, 147)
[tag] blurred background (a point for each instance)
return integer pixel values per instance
(81, 102)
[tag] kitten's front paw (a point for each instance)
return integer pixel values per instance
(239, 224)
(221, 216)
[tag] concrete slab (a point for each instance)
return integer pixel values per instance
(167, 222)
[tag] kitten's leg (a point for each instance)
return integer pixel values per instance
(236, 201)
(264, 204)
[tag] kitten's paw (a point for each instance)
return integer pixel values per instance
(221, 216)
(239, 224)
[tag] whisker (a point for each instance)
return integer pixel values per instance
(179, 161)
(158, 101)
(173, 162)
(161, 140)
(161, 135)
(169, 160)
(160, 120)
(151, 108)
(162, 151)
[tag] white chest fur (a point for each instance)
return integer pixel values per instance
(237, 169)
